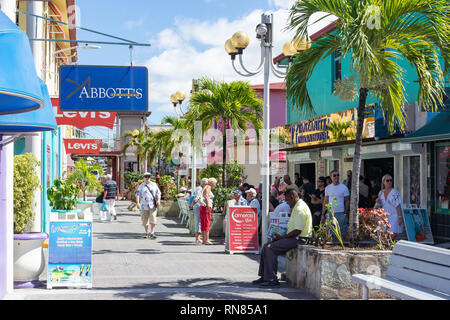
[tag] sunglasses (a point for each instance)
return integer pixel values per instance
(388, 180)
(335, 175)
(147, 177)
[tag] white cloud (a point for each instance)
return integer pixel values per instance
(192, 49)
(131, 24)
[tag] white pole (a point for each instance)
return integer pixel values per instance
(265, 143)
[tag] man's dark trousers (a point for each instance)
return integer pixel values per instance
(268, 265)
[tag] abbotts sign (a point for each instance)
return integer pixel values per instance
(83, 146)
(103, 88)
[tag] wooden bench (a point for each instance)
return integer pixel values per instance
(416, 272)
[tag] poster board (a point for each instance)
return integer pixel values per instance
(242, 230)
(417, 224)
(70, 254)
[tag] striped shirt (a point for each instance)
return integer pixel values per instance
(111, 189)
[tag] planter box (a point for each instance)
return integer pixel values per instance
(168, 208)
(87, 210)
(327, 274)
(216, 228)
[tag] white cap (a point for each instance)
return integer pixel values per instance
(253, 191)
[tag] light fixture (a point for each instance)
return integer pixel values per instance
(77, 47)
(289, 49)
(301, 43)
(240, 40)
(177, 98)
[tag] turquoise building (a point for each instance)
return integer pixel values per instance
(419, 161)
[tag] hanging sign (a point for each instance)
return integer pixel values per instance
(103, 88)
(83, 119)
(70, 254)
(243, 230)
(83, 146)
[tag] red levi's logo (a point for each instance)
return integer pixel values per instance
(83, 119)
(82, 146)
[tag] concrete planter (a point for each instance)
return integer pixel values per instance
(86, 210)
(29, 259)
(168, 208)
(216, 229)
(326, 274)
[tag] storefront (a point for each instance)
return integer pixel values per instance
(435, 135)
(316, 151)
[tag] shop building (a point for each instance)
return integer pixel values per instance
(325, 142)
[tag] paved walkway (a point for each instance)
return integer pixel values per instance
(172, 267)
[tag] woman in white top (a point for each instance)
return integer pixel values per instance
(206, 203)
(391, 200)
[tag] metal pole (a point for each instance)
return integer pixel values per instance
(265, 143)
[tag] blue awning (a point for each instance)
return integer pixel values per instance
(435, 130)
(20, 89)
(39, 120)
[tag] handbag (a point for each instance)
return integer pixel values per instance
(103, 207)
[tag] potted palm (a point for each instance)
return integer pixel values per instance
(86, 181)
(29, 260)
(63, 197)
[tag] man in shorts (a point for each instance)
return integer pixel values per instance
(148, 198)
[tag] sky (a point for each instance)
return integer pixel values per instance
(187, 41)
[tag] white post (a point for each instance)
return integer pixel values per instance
(34, 143)
(265, 160)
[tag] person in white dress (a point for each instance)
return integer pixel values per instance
(390, 200)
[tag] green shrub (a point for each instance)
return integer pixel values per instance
(63, 195)
(26, 181)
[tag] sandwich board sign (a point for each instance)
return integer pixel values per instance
(242, 230)
(70, 254)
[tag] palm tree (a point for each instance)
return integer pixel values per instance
(373, 34)
(81, 175)
(235, 104)
(136, 139)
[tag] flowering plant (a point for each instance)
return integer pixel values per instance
(374, 223)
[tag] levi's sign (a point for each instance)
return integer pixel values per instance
(103, 88)
(83, 119)
(82, 146)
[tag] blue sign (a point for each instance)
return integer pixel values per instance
(70, 242)
(70, 254)
(103, 88)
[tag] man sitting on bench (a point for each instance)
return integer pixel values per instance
(299, 231)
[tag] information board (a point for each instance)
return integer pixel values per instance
(70, 254)
(242, 230)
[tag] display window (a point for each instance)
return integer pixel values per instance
(442, 177)
(411, 180)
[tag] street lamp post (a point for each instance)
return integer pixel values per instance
(235, 47)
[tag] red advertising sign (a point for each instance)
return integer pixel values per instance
(243, 230)
(83, 146)
(83, 119)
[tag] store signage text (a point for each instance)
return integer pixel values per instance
(297, 132)
(103, 88)
(82, 146)
(83, 119)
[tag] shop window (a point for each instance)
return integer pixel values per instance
(411, 180)
(443, 178)
(337, 67)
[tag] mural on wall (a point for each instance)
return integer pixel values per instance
(335, 127)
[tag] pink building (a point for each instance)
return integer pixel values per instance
(277, 102)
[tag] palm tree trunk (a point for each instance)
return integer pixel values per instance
(354, 195)
(224, 151)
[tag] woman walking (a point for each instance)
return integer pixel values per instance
(391, 200)
(206, 203)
